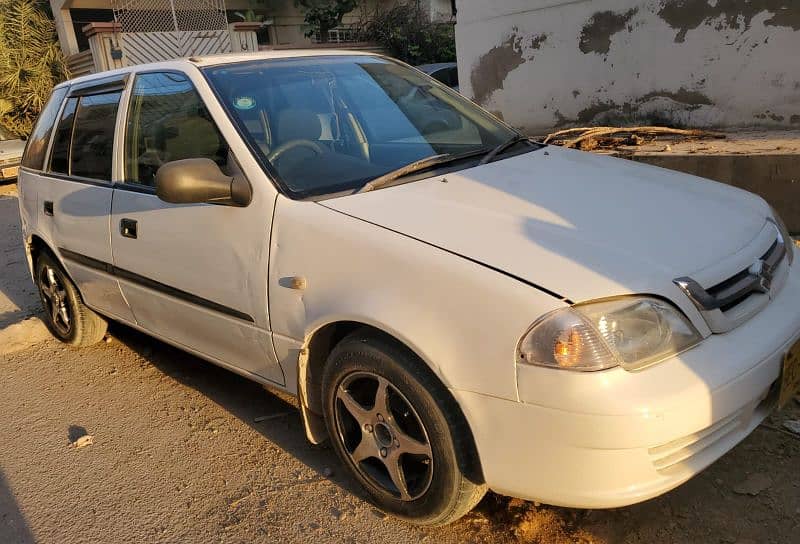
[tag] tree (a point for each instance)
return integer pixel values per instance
(31, 63)
(324, 15)
(406, 32)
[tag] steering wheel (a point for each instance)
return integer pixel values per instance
(279, 151)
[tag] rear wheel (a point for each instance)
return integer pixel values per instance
(67, 318)
(394, 426)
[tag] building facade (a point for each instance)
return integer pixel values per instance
(281, 21)
(542, 64)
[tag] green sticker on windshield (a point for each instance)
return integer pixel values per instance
(244, 103)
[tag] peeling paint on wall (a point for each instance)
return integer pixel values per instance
(598, 30)
(686, 15)
(698, 63)
(537, 41)
(693, 99)
(491, 70)
(587, 115)
(768, 115)
(604, 111)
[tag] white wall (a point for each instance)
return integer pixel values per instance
(549, 63)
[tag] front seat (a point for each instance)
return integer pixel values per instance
(297, 124)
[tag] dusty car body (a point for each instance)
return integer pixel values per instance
(456, 307)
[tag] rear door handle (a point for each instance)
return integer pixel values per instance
(48, 207)
(127, 227)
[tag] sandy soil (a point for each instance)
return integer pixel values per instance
(177, 456)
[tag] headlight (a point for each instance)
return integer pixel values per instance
(630, 331)
(788, 241)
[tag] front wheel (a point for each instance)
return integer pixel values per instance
(66, 316)
(393, 425)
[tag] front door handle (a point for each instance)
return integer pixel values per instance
(127, 227)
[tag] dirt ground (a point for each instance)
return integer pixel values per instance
(178, 456)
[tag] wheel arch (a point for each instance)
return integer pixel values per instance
(311, 364)
(35, 247)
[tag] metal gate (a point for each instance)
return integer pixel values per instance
(154, 30)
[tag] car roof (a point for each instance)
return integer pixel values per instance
(216, 60)
(435, 67)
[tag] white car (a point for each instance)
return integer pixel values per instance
(11, 148)
(456, 307)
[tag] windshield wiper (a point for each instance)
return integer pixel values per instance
(416, 166)
(517, 138)
(436, 160)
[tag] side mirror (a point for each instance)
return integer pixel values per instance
(193, 181)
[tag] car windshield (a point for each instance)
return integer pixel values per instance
(324, 125)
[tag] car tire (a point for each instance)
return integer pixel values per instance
(385, 408)
(66, 316)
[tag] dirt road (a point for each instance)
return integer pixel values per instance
(178, 456)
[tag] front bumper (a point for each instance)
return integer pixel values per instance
(613, 438)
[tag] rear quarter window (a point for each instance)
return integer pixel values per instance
(37, 143)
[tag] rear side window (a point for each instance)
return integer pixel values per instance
(59, 156)
(93, 136)
(84, 140)
(168, 121)
(40, 137)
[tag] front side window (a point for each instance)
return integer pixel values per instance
(167, 121)
(331, 124)
(93, 136)
(40, 137)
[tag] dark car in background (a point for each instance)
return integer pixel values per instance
(446, 72)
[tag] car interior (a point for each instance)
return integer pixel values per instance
(336, 124)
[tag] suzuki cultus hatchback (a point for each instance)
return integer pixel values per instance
(456, 307)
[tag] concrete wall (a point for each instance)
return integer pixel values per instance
(706, 63)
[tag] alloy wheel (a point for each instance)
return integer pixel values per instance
(383, 436)
(54, 297)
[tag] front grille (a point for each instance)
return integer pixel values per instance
(727, 296)
(738, 288)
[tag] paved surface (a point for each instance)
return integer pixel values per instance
(177, 456)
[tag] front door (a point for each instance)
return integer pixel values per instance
(195, 274)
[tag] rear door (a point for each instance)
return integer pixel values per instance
(74, 192)
(195, 274)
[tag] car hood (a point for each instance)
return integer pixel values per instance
(581, 225)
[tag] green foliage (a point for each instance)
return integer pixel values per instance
(324, 15)
(249, 16)
(407, 33)
(31, 63)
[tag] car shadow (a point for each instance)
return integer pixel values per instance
(271, 414)
(13, 526)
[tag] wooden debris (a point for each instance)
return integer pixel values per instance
(590, 138)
